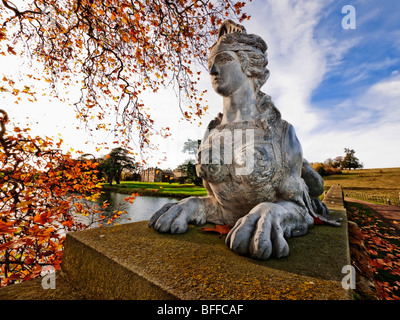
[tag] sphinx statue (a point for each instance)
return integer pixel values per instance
(250, 160)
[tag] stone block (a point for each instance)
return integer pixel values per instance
(131, 261)
(334, 197)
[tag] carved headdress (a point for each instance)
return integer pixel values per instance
(233, 37)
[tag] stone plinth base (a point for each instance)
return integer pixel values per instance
(131, 261)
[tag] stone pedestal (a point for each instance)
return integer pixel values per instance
(132, 261)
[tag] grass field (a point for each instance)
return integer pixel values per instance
(157, 189)
(368, 184)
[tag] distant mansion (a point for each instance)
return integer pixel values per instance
(159, 175)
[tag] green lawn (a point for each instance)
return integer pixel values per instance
(158, 188)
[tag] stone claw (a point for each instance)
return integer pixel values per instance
(158, 213)
(175, 217)
(261, 233)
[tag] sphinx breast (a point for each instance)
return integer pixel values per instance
(240, 161)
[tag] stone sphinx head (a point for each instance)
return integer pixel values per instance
(236, 56)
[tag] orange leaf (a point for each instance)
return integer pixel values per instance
(131, 198)
(6, 227)
(221, 229)
(125, 37)
(317, 221)
(67, 223)
(11, 50)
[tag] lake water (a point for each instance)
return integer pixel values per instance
(141, 209)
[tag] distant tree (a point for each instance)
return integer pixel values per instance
(191, 146)
(319, 167)
(328, 162)
(191, 172)
(337, 162)
(327, 168)
(189, 169)
(132, 174)
(350, 161)
(115, 162)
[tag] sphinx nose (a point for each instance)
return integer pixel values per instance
(214, 70)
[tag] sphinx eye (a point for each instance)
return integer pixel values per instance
(224, 60)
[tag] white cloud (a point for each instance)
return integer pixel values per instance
(369, 124)
(383, 99)
(366, 70)
(388, 87)
(297, 60)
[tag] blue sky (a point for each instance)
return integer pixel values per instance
(374, 55)
(339, 88)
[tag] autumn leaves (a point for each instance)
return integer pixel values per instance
(41, 191)
(383, 248)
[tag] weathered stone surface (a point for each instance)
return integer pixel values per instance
(33, 290)
(133, 262)
(250, 160)
(334, 197)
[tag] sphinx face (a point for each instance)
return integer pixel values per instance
(226, 73)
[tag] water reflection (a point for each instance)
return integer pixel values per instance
(141, 209)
